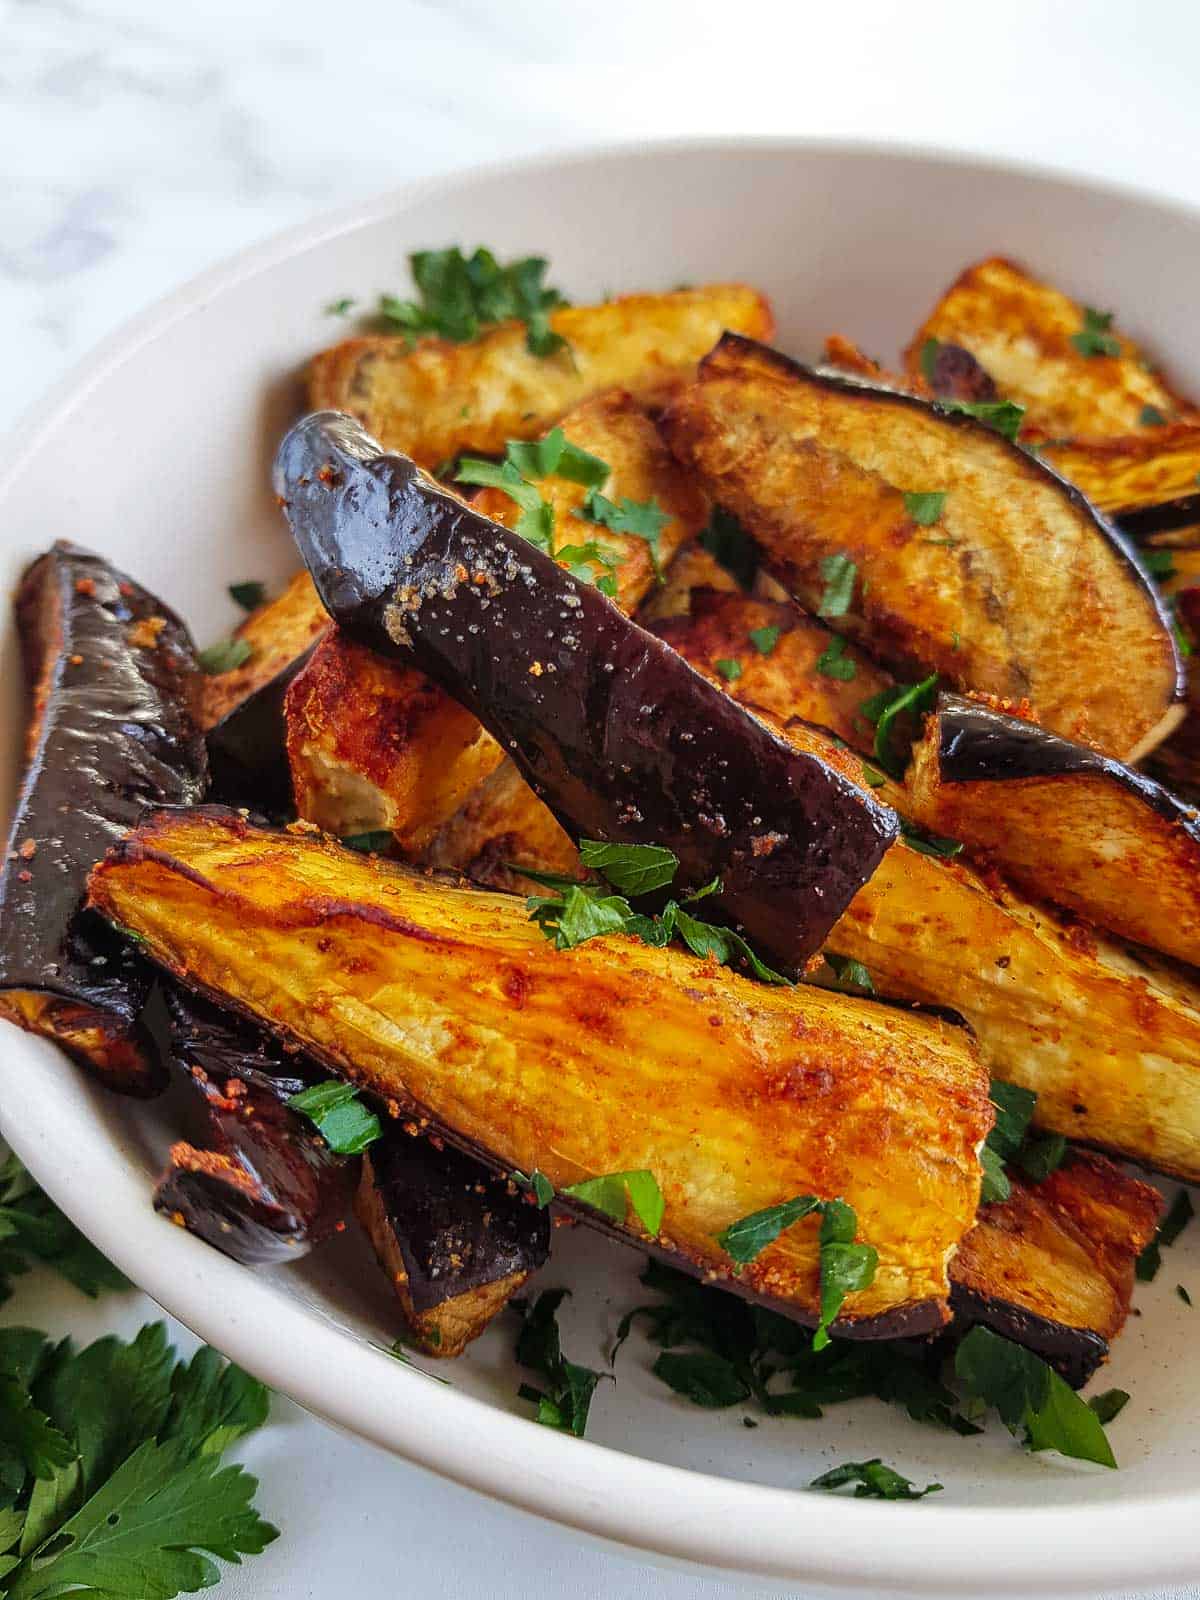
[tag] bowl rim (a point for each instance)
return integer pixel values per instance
(637, 1504)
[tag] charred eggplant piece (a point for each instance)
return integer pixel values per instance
(620, 737)
(455, 1241)
(112, 677)
(242, 711)
(1052, 1267)
(438, 400)
(264, 1187)
(610, 1057)
(957, 552)
(1063, 822)
(375, 745)
(1074, 373)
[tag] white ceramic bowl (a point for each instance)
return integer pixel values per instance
(155, 452)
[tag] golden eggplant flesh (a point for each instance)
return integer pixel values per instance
(450, 1006)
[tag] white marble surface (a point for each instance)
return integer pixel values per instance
(139, 142)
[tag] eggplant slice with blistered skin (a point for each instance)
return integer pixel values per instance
(449, 1005)
(455, 1240)
(112, 676)
(623, 740)
(1052, 1267)
(1009, 583)
(1063, 822)
(264, 1186)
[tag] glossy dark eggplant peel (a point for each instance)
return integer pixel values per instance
(112, 680)
(264, 1186)
(621, 738)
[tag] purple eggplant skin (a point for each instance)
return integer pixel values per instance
(621, 738)
(247, 752)
(265, 1187)
(977, 745)
(955, 374)
(112, 676)
(457, 1226)
(1074, 1353)
(1166, 517)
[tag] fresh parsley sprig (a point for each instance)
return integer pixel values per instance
(1034, 1403)
(339, 1116)
(845, 1265)
(33, 1230)
(1012, 1140)
(577, 912)
(458, 296)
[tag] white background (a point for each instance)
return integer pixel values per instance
(141, 141)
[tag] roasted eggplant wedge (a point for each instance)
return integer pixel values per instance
(375, 745)
(1147, 482)
(610, 1057)
(456, 1241)
(966, 556)
(242, 710)
(437, 400)
(787, 662)
(1052, 1267)
(501, 828)
(620, 737)
(1075, 374)
(112, 678)
(263, 1187)
(1063, 822)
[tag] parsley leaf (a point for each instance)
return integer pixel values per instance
(567, 1398)
(224, 656)
(703, 1377)
(248, 595)
(873, 1480)
(929, 355)
(1109, 1404)
(372, 843)
(633, 868)
(1034, 1403)
(1094, 339)
(613, 1193)
(1012, 1140)
(32, 1228)
(925, 508)
(345, 1124)
(213, 1403)
(537, 1183)
(1159, 564)
(461, 295)
(339, 308)
(851, 976)
(728, 543)
(730, 670)
(1172, 1225)
(1183, 1294)
(1002, 416)
(845, 1266)
(723, 944)
(834, 663)
(929, 844)
(1151, 417)
(764, 640)
(579, 914)
(883, 708)
(840, 575)
(554, 456)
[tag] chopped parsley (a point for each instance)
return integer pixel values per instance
(845, 1265)
(839, 574)
(565, 1400)
(576, 912)
(1034, 1403)
(883, 708)
(224, 656)
(1109, 1404)
(730, 670)
(554, 456)
(1012, 1140)
(1151, 417)
(1002, 416)
(615, 1192)
(458, 296)
(928, 844)
(638, 519)
(850, 976)
(535, 1183)
(764, 640)
(873, 1480)
(248, 595)
(730, 546)
(346, 1125)
(925, 508)
(1159, 564)
(1094, 338)
(834, 663)
(340, 308)
(929, 355)
(1172, 1225)
(372, 843)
